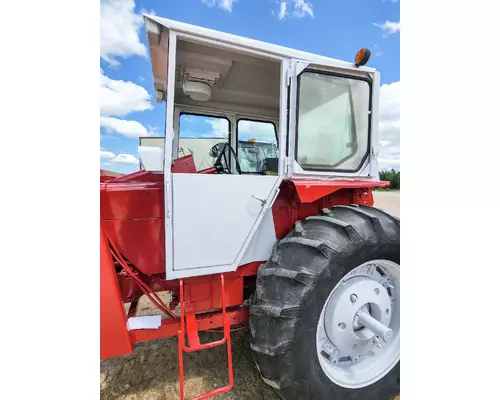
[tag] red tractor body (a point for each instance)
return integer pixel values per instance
(132, 216)
(267, 220)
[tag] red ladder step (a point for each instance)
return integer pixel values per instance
(194, 342)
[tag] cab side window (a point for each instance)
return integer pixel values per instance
(198, 134)
(257, 147)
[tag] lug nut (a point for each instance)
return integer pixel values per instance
(354, 298)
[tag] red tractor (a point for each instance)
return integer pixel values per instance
(289, 242)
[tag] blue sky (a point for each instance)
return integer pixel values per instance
(334, 28)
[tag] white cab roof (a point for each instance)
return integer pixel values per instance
(157, 32)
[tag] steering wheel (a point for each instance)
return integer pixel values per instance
(221, 169)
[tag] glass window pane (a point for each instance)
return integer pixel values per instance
(333, 117)
(198, 134)
(257, 146)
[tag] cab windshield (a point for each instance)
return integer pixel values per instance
(333, 122)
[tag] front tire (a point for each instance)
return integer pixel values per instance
(293, 289)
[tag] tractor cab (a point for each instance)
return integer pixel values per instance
(248, 115)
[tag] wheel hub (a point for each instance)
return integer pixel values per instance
(356, 324)
(359, 324)
(342, 322)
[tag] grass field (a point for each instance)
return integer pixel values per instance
(151, 372)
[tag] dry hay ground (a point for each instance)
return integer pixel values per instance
(152, 373)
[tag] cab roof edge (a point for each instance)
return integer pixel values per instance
(154, 26)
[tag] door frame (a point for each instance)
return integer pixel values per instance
(368, 169)
(172, 118)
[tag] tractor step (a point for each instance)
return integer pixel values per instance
(189, 325)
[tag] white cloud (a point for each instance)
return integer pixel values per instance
(117, 159)
(125, 159)
(131, 129)
(220, 128)
(262, 132)
(120, 27)
(107, 154)
(226, 5)
(377, 50)
(302, 8)
(389, 163)
(282, 12)
(389, 126)
(119, 98)
(152, 130)
(389, 27)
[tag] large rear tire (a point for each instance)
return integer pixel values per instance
(293, 290)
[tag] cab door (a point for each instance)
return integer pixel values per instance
(211, 219)
(332, 121)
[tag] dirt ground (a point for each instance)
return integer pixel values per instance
(151, 372)
(387, 201)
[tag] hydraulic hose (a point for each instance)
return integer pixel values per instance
(150, 294)
(148, 291)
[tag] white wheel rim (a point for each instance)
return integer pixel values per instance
(358, 332)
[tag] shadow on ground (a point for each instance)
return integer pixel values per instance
(152, 372)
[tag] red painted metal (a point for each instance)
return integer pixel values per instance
(184, 165)
(170, 327)
(207, 295)
(108, 175)
(139, 176)
(192, 329)
(312, 190)
(131, 200)
(194, 343)
(132, 211)
(115, 340)
(211, 170)
(288, 209)
(205, 289)
(132, 214)
(140, 242)
(105, 172)
(363, 196)
(132, 207)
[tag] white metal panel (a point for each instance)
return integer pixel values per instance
(151, 158)
(262, 243)
(251, 44)
(283, 124)
(296, 67)
(154, 141)
(158, 40)
(157, 142)
(169, 136)
(374, 126)
(213, 216)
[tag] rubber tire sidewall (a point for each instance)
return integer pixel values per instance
(310, 380)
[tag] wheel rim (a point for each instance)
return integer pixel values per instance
(358, 333)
